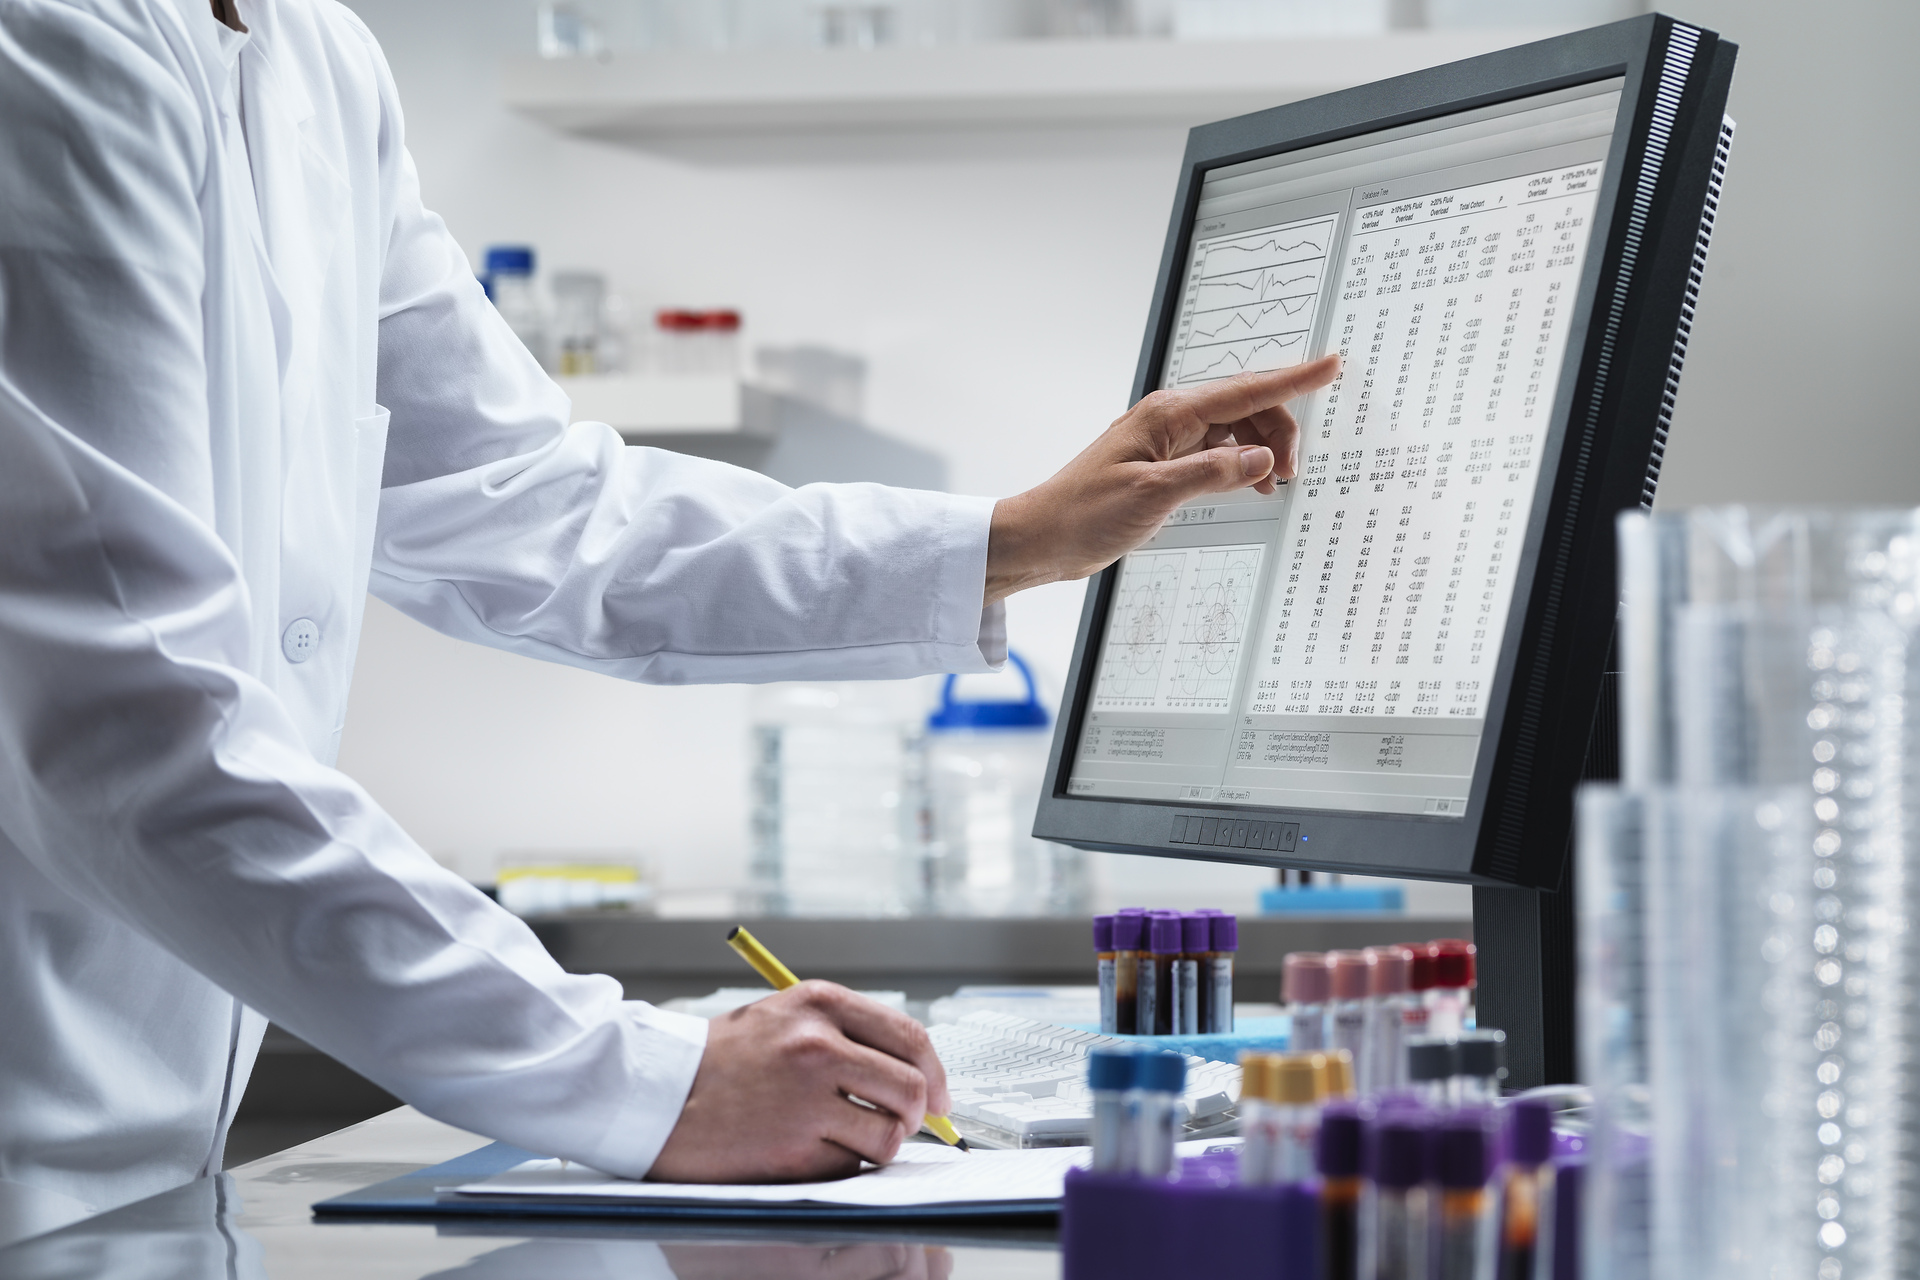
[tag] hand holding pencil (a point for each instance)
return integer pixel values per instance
(768, 966)
(773, 1097)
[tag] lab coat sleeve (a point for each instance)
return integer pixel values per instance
(142, 769)
(501, 523)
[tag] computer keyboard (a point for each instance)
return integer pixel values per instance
(1020, 1083)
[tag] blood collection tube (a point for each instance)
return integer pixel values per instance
(1480, 1067)
(1347, 1011)
(1420, 976)
(1206, 971)
(1432, 1063)
(1195, 932)
(1450, 1002)
(1104, 959)
(1128, 925)
(1156, 973)
(1259, 1119)
(1526, 1188)
(1305, 982)
(1338, 1155)
(1296, 1095)
(1217, 999)
(1463, 1235)
(1394, 1231)
(1560, 1221)
(1388, 981)
(1336, 1075)
(1110, 1079)
(1158, 1079)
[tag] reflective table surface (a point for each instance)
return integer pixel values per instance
(255, 1221)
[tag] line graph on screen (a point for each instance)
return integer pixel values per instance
(1250, 301)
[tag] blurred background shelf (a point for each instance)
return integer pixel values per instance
(643, 96)
(786, 437)
(659, 959)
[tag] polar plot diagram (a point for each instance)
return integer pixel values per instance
(1176, 629)
(1215, 601)
(1139, 627)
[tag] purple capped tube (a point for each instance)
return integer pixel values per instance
(1105, 966)
(1216, 978)
(1156, 973)
(1393, 1231)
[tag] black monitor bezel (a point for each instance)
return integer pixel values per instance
(1555, 645)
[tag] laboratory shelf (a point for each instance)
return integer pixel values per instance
(792, 440)
(640, 404)
(635, 97)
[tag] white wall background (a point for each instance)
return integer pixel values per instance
(999, 287)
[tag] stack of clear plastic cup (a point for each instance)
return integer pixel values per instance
(1729, 1045)
(1747, 898)
(1610, 835)
(1768, 562)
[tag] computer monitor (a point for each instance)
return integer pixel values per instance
(1391, 665)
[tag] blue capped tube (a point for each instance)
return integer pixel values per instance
(1157, 1082)
(1110, 1078)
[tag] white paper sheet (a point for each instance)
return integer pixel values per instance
(922, 1174)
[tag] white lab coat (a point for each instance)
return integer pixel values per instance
(242, 370)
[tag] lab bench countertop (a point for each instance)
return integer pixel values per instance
(255, 1223)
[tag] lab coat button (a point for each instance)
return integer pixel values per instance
(300, 639)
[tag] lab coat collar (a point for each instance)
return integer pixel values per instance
(228, 43)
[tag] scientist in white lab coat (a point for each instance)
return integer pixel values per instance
(244, 377)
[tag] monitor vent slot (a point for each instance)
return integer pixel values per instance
(1505, 852)
(1695, 274)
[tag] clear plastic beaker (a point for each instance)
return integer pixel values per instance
(986, 763)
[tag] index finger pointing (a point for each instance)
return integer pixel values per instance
(1247, 394)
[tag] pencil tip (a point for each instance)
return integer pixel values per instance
(733, 933)
(962, 1144)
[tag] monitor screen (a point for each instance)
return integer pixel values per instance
(1332, 647)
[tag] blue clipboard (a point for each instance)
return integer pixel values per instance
(415, 1195)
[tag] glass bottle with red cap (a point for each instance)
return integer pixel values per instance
(697, 342)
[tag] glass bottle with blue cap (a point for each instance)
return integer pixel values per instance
(986, 761)
(509, 281)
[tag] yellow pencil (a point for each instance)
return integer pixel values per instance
(768, 966)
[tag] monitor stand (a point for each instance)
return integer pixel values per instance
(1527, 947)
